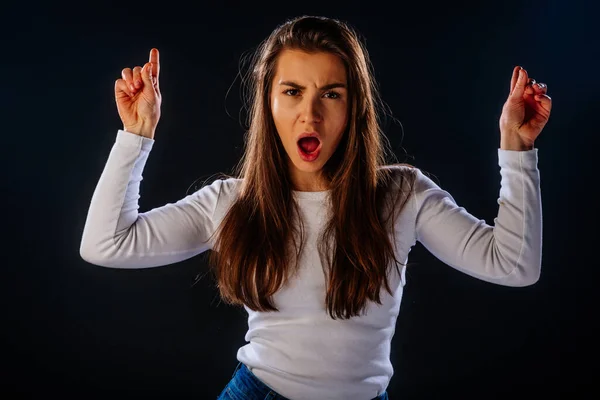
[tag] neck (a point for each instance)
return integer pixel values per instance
(308, 182)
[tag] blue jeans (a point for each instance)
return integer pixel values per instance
(244, 385)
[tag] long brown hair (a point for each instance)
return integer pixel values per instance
(260, 238)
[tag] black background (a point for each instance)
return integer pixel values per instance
(72, 328)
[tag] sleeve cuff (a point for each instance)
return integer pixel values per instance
(518, 159)
(131, 139)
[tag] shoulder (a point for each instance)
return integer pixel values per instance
(407, 181)
(398, 176)
(398, 168)
(230, 186)
(216, 190)
(407, 174)
(217, 193)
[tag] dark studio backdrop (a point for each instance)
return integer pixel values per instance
(72, 328)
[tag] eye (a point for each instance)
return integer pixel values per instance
(290, 90)
(333, 95)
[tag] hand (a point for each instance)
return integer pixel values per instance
(525, 112)
(138, 97)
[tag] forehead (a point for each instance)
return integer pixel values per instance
(318, 68)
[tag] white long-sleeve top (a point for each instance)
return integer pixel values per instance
(301, 352)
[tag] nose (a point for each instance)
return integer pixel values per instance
(311, 111)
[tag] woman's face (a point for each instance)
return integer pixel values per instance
(309, 95)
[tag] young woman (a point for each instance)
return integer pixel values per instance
(313, 233)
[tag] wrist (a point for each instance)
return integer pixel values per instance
(144, 131)
(514, 143)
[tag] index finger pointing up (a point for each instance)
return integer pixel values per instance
(515, 77)
(154, 59)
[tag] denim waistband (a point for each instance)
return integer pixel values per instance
(246, 381)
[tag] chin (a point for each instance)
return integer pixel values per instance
(304, 166)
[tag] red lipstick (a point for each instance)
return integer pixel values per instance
(309, 149)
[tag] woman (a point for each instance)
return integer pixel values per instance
(313, 233)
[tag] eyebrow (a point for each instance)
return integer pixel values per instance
(300, 87)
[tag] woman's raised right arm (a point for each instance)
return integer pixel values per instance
(115, 235)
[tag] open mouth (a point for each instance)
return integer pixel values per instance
(309, 148)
